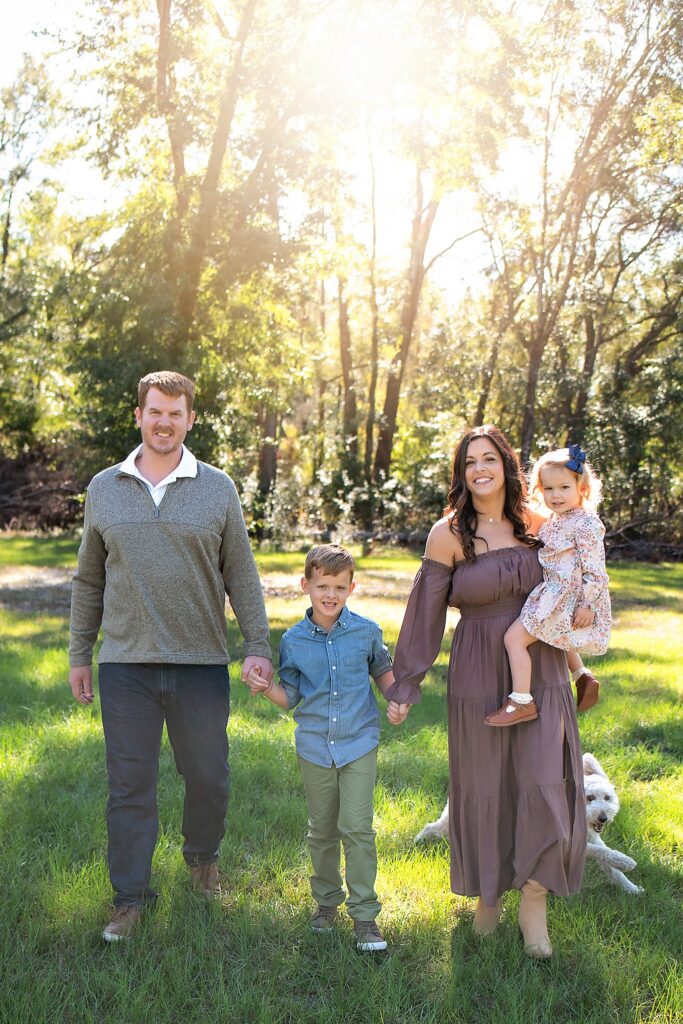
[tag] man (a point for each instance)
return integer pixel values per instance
(163, 542)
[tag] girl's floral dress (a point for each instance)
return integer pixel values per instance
(574, 574)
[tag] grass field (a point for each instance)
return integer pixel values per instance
(250, 959)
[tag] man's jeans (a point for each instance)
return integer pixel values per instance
(136, 700)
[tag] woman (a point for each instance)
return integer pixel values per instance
(517, 819)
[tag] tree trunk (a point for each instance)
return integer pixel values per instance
(374, 333)
(422, 226)
(349, 406)
(267, 464)
(208, 198)
(576, 424)
(267, 470)
(536, 350)
(486, 377)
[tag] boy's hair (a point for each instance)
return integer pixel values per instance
(331, 559)
(590, 486)
(168, 381)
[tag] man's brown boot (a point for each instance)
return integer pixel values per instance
(206, 878)
(122, 924)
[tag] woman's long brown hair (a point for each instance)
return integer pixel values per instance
(463, 515)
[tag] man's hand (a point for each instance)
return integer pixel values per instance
(397, 713)
(80, 681)
(583, 617)
(256, 682)
(263, 666)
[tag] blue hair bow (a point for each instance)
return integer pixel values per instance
(577, 457)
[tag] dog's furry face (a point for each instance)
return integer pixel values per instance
(602, 802)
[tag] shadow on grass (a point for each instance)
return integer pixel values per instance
(39, 551)
(648, 587)
(22, 698)
(666, 737)
(638, 659)
(649, 599)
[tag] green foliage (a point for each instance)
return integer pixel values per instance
(250, 183)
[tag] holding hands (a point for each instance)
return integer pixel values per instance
(257, 682)
(258, 675)
(397, 713)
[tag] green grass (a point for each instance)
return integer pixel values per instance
(61, 550)
(251, 958)
(25, 549)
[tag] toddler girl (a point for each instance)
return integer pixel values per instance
(570, 609)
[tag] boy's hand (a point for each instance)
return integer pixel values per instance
(256, 682)
(397, 713)
(583, 617)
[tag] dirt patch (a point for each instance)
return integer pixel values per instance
(26, 588)
(368, 584)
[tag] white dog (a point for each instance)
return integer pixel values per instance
(602, 804)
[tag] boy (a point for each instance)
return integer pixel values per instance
(325, 663)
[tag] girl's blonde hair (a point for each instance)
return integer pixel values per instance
(590, 485)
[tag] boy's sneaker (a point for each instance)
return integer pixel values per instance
(369, 938)
(323, 919)
(122, 924)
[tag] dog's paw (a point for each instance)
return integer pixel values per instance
(431, 831)
(621, 861)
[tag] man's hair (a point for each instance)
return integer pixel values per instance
(168, 381)
(331, 559)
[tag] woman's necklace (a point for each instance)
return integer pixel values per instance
(491, 519)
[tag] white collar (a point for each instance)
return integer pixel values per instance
(186, 467)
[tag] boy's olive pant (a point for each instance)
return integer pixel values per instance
(339, 802)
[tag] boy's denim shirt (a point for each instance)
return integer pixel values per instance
(327, 676)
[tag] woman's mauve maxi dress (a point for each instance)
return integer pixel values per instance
(516, 794)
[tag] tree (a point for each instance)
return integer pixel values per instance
(603, 210)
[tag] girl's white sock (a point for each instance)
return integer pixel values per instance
(521, 698)
(577, 672)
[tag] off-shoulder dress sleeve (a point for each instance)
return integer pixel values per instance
(419, 640)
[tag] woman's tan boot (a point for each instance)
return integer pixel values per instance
(532, 920)
(486, 919)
